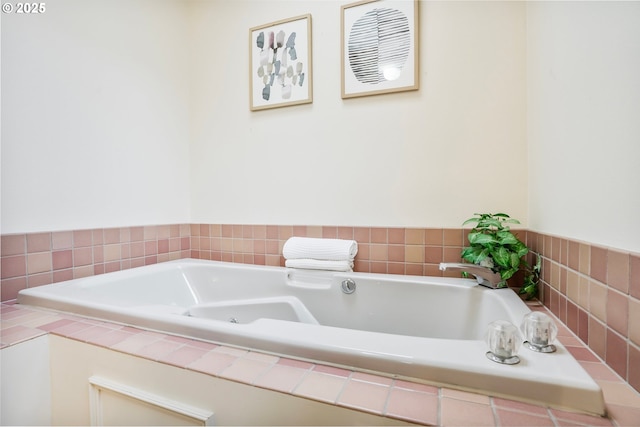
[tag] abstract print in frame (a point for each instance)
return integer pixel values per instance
(379, 47)
(280, 63)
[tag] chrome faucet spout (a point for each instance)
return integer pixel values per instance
(484, 275)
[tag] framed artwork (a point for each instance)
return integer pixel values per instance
(379, 47)
(280, 63)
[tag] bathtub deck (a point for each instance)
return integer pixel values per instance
(380, 395)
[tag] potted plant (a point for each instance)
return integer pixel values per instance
(493, 245)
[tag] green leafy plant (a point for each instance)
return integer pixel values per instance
(493, 245)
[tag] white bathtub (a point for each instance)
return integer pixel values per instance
(425, 328)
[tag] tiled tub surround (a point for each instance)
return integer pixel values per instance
(433, 332)
(35, 259)
(370, 393)
(595, 291)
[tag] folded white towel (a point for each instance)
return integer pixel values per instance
(318, 264)
(322, 249)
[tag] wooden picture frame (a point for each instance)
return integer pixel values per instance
(379, 47)
(280, 65)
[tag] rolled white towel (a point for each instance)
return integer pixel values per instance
(322, 249)
(318, 264)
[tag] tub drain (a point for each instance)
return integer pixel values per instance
(233, 320)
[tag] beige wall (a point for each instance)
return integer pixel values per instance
(95, 110)
(426, 158)
(99, 117)
(583, 99)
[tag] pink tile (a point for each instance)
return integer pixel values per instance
(396, 235)
(82, 256)
(600, 371)
(14, 266)
(619, 393)
(158, 349)
(98, 254)
(570, 341)
(378, 235)
(55, 325)
(345, 233)
(62, 275)
(582, 354)
(233, 351)
(203, 345)
(332, 370)
(38, 242)
(136, 343)
(9, 288)
(246, 370)
(112, 266)
(262, 357)
(320, 386)
(412, 406)
(7, 308)
(150, 247)
(136, 249)
(416, 387)
(98, 269)
(281, 377)
(11, 314)
(513, 418)
(82, 238)
(452, 237)
(183, 356)
(174, 244)
(454, 412)
(212, 363)
(19, 333)
(599, 263)
(110, 338)
(634, 367)
(582, 419)
(624, 415)
(62, 240)
(466, 396)
(365, 396)
(163, 246)
(163, 231)
(175, 338)
(15, 315)
(62, 259)
(97, 236)
(512, 405)
(40, 279)
(90, 333)
(617, 311)
(295, 363)
(574, 255)
(70, 328)
(618, 270)
(112, 252)
(634, 276)
(361, 234)
(375, 379)
(13, 244)
(616, 353)
(136, 234)
(111, 236)
(37, 319)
